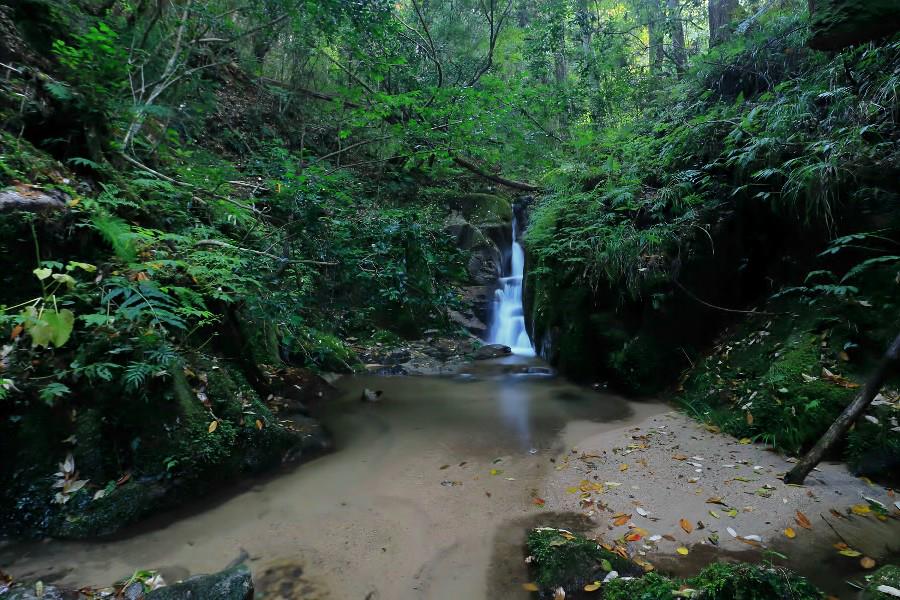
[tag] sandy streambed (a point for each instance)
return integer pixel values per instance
(428, 495)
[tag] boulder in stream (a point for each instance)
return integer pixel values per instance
(234, 583)
(492, 351)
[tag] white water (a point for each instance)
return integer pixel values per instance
(508, 319)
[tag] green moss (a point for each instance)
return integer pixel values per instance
(563, 559)
(651, 586)
(482, 209)
(83, 517)
(742, 581)
(887, 575)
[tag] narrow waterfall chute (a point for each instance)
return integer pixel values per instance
(508, 317)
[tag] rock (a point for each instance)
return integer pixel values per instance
(492, 351)
(32, 198)
(836, 24)
(469, 321)
(231, 584)
(481, 299)
(370, 395)
(39, 591)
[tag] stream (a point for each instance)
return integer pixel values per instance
(429, 495)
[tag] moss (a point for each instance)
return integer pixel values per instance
(83, 517)
(651, 586)
(765, 381)
(742, 581)
(563, 559)
(482, 209)
(887, 575)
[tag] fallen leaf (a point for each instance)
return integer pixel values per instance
(259, 424)
(714, 514)
(749, 418)
(680, 457)
(619, 521)
(213, 426)
(744, 441)
(686, 525)
(530, 587)
(731, 532)
(496, 471)
(850, 552)
(867, 563)
(633, 537)
(669, 537)
(592, 587)
(861, 509)
(623, 468)
(790, 533)
(641, 511)
(889, 590)
(559, 594)
(682, 550)
(538, 501)
(16, 332)
(803, 521)
(716, 500)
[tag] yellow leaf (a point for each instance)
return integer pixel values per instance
(496, 471)
(686, 525)
(530, 587)
(850, 552)
(744, 441)
(790, 533)
(867, 563)
(213, 426)
(682, 550)
(861, 509)
(623, 468)
(592, 587)
(619, 521)
(572, 490)
(259, 424)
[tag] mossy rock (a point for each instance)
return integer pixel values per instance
(840, 23)
(83, 517)
(564, 559)
(234, 583)
(888, 575)
(481, 209)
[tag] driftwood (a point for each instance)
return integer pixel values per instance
(854, 410)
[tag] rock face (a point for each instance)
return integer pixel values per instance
(492, 351)
(231, 584)
(837, 24)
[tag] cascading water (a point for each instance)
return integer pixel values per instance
(508, 318)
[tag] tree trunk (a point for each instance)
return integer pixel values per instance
(676, 29)
(886, 367)
(720, 14)
(656, 33)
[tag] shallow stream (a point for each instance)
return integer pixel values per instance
(428, 495)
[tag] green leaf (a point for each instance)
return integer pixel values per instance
(42, 274)
(51, 328)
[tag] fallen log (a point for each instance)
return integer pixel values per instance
(889, 363)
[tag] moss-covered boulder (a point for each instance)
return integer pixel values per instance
(561, 559)
(234, 583)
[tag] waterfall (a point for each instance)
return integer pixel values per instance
(508, 317)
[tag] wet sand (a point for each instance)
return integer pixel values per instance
(407, 507)
(746, 478)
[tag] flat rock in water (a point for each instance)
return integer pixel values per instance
(492, 351)
(231, 584)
